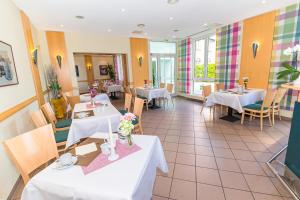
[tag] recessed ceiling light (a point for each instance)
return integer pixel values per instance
(141, 25)
(123, 9)
(263, 1)
(174, 36)
(79, 17)
(172, 2)
(109, 30)
(171, 18)
(205, 24)
(61, 25)
(175, 30)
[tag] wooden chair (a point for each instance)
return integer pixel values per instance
(127, 104)
(170, 87)
(60, 136)
(73, 100)
(218, 87)
(162, 85)
(31, 150)
(57, 124)
(134, 95)
(276, 103)
(137, 111)
(260, 110)
(206, 92)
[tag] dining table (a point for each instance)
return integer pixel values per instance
(113, 89)
(235, 100)
(88, 119)
(128, 178)
(99, 97)
(152, 94)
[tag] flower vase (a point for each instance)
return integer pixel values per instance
(93, 102)
(129, 140)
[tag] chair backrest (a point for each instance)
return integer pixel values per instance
(269, 98)
(133, 92)
(31, 150)
(127, 89)
(73, 100)
(38, 118)
(138, 107)
(162, 85)
(49, 113)
(170, 87)
(219, 86)
(206, 90)
(128, 99)
(279, 95)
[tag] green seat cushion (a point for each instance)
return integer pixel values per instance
(135, 122)
(259, 102)
(141, 97)
(123, 111)
(63, 123)
(61, 136)
(254, 107)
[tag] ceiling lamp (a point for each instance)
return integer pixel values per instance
(79, 17)
(172, 2)
(141, 26)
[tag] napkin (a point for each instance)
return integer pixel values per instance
(85, 149)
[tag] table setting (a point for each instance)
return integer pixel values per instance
(152, 93)
(102, 166)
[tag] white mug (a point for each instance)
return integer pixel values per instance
(105, 149)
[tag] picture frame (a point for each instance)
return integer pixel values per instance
(103, 70)
(8, 73)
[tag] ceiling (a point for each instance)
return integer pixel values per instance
(120, 17)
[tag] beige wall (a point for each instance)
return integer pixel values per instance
(12, 33)
(101, 60)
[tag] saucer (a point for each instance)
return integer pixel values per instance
(60, 167)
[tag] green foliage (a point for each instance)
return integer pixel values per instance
(289, 72)
(153, 72)
(53, 84)
(200, 71)
(111, 72)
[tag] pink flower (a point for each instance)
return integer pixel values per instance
(93, 92)
(128, 117)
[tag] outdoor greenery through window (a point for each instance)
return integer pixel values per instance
(205, 54)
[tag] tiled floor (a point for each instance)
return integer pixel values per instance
(210, 159)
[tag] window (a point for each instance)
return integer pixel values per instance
(204, 62)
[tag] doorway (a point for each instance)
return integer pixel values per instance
(163, 69)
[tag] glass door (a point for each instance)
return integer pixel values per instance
(163, 69)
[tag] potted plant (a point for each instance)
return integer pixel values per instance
(111, 72)
(55, 91)
(289, 72)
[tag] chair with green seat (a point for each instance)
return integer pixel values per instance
(58, 124)
(61, 136)
(127, 104)
(134, 95)
(260, 110)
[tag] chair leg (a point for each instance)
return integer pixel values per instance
(273, 116)
(279, 114)
(221, 110)
(243, 117)
(270, 120)
(202, 108)
(261, 122)
(141, 129)
(146, 105)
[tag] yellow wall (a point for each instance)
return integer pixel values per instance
(57, 46)
(257, 29)
(139, 47)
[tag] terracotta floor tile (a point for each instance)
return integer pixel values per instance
(170, 156)
(258, 196)
(162, 186)
(170, 146)
(158, 198)
(186, 159)
(256, 147)
(233, 180)
(249, 167)
(219, 143)
(202, 142)
(186, 148)
(172, 138)
(185, 172)
(209, 192)
(206, 161)
(171, 170)
(261, 184)
(233, 194)
(237, 145)
(204, 151)
(243, 155)
(222, 153)
(227, 164)
(208, 176)
(183, 190)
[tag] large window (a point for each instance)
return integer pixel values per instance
(204, 62)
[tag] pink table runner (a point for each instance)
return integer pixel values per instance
(102, 160)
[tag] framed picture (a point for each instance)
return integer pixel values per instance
(8, 74)
(103, 70)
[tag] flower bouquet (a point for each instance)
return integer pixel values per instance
(93, 92)
(126, 126)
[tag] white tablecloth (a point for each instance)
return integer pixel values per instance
(82, 128)
(114, 88)
(99, 97)
(152, 93)
(235, 101)
(131, 178)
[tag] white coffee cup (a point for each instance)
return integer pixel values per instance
(105, 148)
(65, 159)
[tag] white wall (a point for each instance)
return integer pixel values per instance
(12, 33)
(84, 42)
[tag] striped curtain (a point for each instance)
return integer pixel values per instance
(286, 34)
(184, 66)
(116, 68)
(228, 51)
